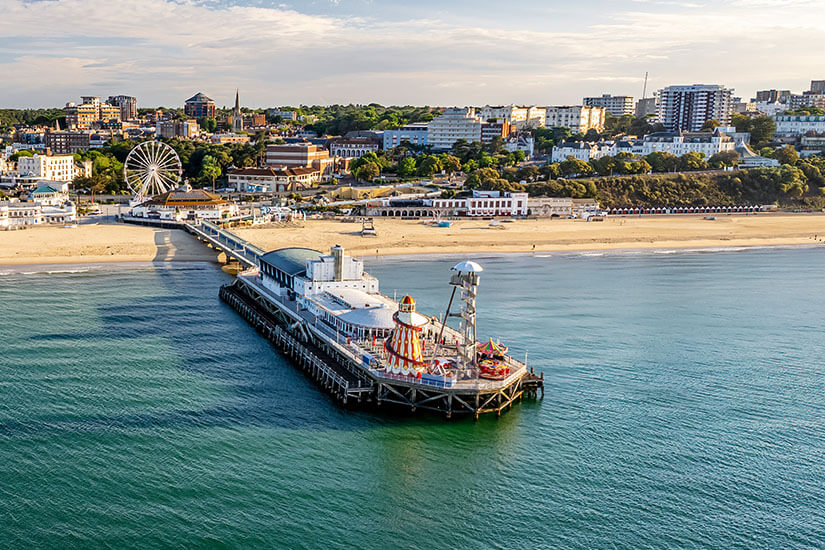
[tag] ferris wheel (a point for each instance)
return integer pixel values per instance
(152, 168)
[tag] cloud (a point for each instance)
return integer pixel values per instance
(162, 51)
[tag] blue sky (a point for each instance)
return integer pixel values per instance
(447, 52)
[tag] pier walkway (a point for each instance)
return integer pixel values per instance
(227, 242)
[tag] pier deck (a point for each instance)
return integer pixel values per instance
(340, 363)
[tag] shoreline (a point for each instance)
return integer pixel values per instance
(113, 243)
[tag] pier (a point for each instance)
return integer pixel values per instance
(244, 252)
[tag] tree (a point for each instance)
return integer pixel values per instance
(710, 125)
(761, 128)
(480, 176)
(368, 171)
(450, 163)
(429, 165)
(724, 159)
(210, 169)
(208, 124)
(661, 161)
(18, 154)
(406, 167)
(575, 167)
(692, 161)
(786, 155)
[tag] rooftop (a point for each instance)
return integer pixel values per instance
(292, 261)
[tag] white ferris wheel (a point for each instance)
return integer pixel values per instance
(152, 168)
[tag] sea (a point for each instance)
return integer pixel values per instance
(684, 407)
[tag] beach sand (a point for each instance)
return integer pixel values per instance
(99, 243)
(416, 237)
(122, 242)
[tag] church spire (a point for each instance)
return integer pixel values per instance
(237, 101)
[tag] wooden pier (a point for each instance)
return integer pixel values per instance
(350, 384)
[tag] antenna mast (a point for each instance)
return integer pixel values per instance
(644, 90)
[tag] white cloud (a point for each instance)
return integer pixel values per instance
(163, 51)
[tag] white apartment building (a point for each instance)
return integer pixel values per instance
(582, 150)
(681, 143)
(689, 107)
(414, 134)
(52, 167)
(454, 124)
(616, 105)
(796, 125)
(579, 118)
(511, 114)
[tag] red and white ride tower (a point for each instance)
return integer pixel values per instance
(405, 354)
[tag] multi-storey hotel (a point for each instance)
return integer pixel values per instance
(454, 124)
(689, 107)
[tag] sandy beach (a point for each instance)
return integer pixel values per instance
(99, 243)
(416, 237)
(122, 242)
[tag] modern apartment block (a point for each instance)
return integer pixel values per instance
(646, 106)
(199, 105)
(689, 107)
(415, 134)
(579, 118)
(454, 124)
(616, 105)
(90, 112)
(127, 104)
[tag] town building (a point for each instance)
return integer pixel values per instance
(53, 167)
(521, 142)
(177, 128)
(689, 107)
(645, 107)
(67, 141)
(807, 99)
(50, 193)
(352, 147)
(415, 134)
(511, 114)
(811, 145)
(90, 113)
(454, 124)
(289, 116)
(579, 118)
(237, 116)
(797, 125)
(493, 130)
(301, 155)
(272, 180)
(127, 105)
(772, 96)
(199, 105)
(223, 139)
(186, 203)
(615, 105)
(581, 150)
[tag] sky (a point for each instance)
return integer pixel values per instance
(400, 52)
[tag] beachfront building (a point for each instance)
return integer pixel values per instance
(186, 203)
(53, 167)
(480, 204)
(272, 180)
(50, 193)
(797, 125)
(615, 105)
(352, 147)
(333, 288)
(415, 134)
(4, 215)
(578, 118)
(550, 207)
(689, 107)
(454, 124)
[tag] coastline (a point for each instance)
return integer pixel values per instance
(111, 243)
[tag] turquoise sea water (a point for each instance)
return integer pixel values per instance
(684, 407)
